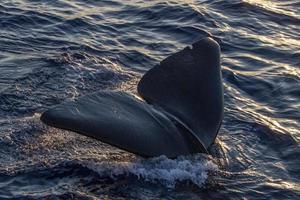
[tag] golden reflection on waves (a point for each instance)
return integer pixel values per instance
(276, 7)
(284, 184)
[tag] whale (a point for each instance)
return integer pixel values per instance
(179, 109)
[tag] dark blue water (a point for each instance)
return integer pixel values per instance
(52, 50)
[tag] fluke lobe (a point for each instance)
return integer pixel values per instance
(181, 114)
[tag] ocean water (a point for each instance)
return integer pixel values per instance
(53, 50)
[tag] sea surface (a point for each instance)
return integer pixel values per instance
(54, 50)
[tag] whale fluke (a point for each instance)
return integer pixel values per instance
(122, 120)
(188, 85)
(182, 113)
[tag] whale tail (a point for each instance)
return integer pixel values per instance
(188, 85)
(182, 113)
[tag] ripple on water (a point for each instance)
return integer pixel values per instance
(54, 50)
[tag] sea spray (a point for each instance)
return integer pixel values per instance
(163, 170)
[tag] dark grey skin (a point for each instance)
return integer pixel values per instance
(182, 113)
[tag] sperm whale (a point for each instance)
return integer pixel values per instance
(180, 114)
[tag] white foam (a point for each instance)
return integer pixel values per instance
(163, 170)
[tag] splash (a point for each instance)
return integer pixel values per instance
(162, 170)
